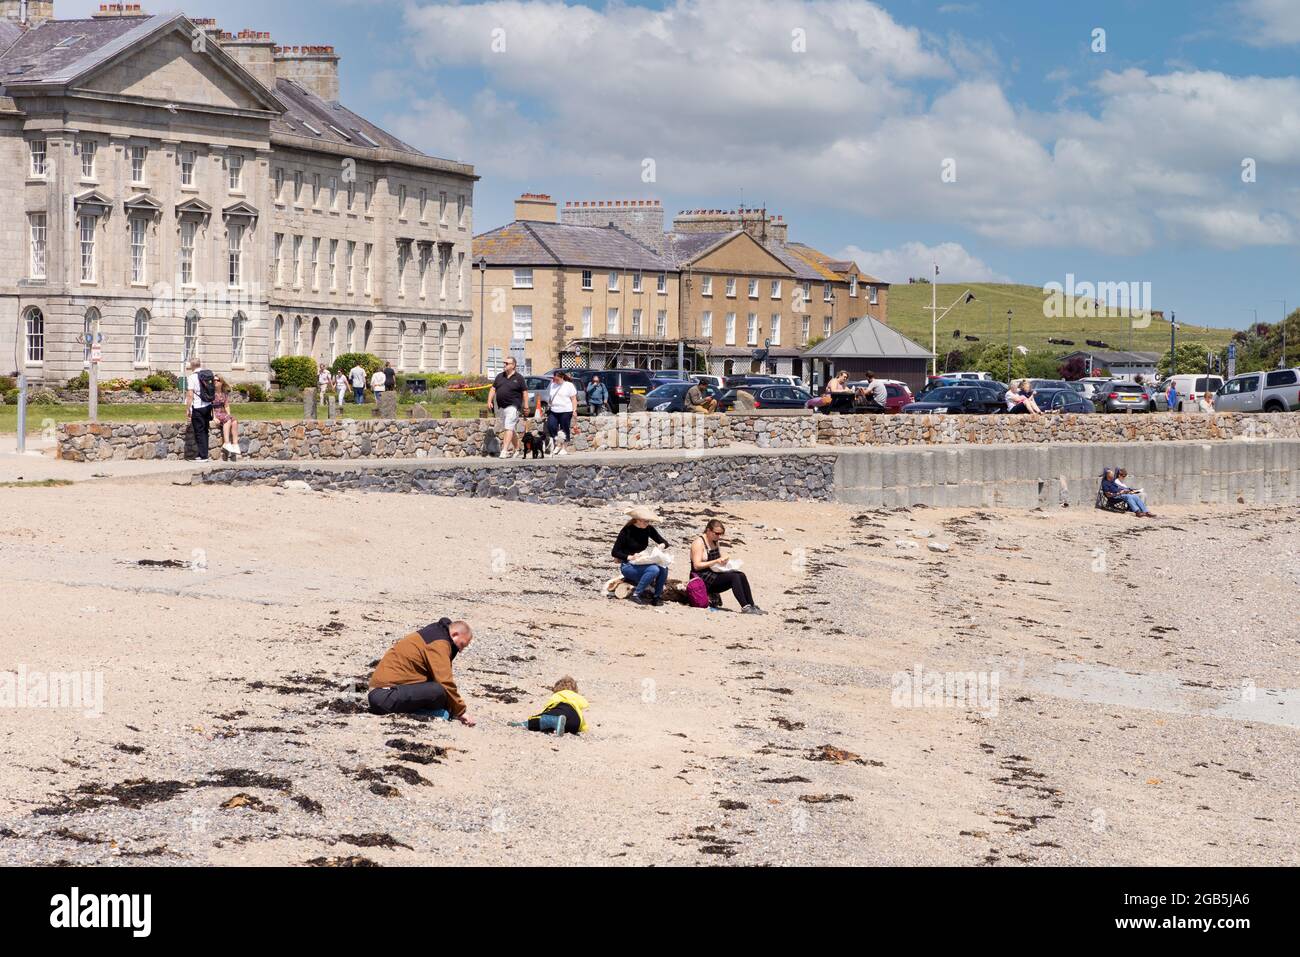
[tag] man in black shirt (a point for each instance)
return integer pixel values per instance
(508, 398)
(390, 377)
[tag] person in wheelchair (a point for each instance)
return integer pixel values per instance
(1116, 495)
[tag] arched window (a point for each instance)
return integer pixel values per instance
(238, 328)
(297, 335)
(424, 339)
(460, 348)
(352, 335)
(365, 341)
(279, 336)
(442, 348)
(190, 347)
(401, 345)
(334, 340)
(142, 337)
(35, 336)
(89, 327)
(729, 367)
(656, 364)
(315, 337)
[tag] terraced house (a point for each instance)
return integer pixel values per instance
(182, 190)
(602, 283)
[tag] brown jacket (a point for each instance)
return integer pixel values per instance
(421, 656)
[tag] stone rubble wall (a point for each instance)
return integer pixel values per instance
(465, 438)
(801, 477)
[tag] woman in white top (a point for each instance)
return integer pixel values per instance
(323, 382)
(562, 399)
(341, 387)
(377, 383)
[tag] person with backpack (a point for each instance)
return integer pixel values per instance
(200, 391)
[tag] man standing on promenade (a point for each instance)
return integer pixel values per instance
(508, 398)
(415, 675)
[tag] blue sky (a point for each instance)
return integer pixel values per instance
(1116, 166)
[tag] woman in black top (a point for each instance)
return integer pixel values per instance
(706, 556)
(648, 580)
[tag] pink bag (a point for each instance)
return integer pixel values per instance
(697, 593)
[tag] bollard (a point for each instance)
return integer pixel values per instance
(309, 412)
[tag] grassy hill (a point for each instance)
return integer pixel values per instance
(986, 317)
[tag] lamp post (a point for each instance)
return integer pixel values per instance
(482, 309)
(1009, 313)
(1173, 344)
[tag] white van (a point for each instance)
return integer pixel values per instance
(1189, 385)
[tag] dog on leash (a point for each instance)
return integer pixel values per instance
(534, 445)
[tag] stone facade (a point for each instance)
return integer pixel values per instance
(175, 182)
(461, 438)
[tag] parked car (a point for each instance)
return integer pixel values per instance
(712, 381)
(1049, 384)
(767, 397)
(537, 386)
(1123, 397)
(1062, 400)
(789, 380)
(1188, 385)
(1277, 391)
(671, 397)
(956, 400)
(745, 381)
(899, 394)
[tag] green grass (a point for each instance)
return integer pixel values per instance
(174, 412)
(986, 317)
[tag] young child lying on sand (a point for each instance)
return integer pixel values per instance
(566, 711)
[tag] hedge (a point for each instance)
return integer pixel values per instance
(345, 362)
(295, 372)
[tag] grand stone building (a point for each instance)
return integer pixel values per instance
(603, 283)
(181, 190)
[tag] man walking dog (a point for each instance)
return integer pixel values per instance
(415, 675)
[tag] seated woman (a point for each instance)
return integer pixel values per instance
(229, 424)
(1115, 487)
(647, 581)
(1020, 398)
(706, 561)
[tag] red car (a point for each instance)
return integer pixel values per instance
(899, 395)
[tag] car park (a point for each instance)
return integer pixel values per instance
(671, 397)
(1063, 400)
(1123, 397)
(1276, 391)
(957, 400)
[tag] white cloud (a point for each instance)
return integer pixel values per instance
(916, 259)
(712, 91)
(1271, 22)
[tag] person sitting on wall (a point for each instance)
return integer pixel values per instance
(697, 400)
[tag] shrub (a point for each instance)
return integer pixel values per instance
(7, 383)
(11, 396)
(79, 382)
(295, 372)
(251, 391)
(345, 362)
(42, 397)
(993, 360)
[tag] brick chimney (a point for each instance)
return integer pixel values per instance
(535, 208)
(770, 230)
(255, 51)
(642, 219)
(315, 68)
(37, 11)
(112, 11)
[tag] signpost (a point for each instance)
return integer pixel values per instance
(1232, 360)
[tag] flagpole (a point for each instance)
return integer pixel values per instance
(934, 322)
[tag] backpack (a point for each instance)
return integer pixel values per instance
(697, 593)
(207, 386)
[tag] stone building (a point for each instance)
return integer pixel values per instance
(722, 285)
(184, 190)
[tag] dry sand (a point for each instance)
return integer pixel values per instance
(1141, 716)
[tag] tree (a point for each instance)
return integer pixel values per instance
(1041, 365)
(1191, 359)
(1074, 370)
(993, 360)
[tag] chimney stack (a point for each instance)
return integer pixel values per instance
(31, 12)
(315, 68)
(112, 11)
(255, 51)
(535, 208)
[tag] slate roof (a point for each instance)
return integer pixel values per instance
(562, 244)
(868, 338)
(838, 268)
(9, 32)
(310, 116)
(39, 57)
(685, 248)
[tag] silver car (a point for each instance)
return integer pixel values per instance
(1277, 391)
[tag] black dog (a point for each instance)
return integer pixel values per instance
(534, 445)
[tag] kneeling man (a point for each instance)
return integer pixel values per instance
(415, 674)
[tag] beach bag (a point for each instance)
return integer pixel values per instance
(697, 593)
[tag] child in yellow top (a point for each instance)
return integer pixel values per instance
(565, 711)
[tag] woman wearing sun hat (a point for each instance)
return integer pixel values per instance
(648, 581)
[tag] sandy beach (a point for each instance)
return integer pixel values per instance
(1135, 685)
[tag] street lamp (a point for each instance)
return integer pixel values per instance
(482, 310)
(1009, 313)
